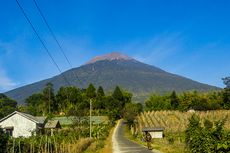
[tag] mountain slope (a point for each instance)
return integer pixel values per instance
(117, 69)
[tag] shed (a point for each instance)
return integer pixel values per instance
(19, 124)
(155, 132)
(52, 125)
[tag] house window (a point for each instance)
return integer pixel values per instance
(9, 130)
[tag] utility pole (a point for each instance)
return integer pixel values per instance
(90, 118)
(49, 100)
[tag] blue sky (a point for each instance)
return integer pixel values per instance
(189, 38)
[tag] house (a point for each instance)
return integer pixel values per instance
(52, 125)
(155, 132)
(19, 124)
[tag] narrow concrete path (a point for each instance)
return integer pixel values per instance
(124, 145)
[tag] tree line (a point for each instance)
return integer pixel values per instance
(191, 100)
(73, 101)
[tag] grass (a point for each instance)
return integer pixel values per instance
(101, 146)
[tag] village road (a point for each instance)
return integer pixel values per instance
(123, 145)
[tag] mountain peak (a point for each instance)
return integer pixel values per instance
(110, 57)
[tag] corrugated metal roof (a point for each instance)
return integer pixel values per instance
(39, 120)
(52, 124)
(152, 129)
(72, 119)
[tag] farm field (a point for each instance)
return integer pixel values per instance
(176, 121)
(175, 124)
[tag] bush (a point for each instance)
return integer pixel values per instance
(207, 139)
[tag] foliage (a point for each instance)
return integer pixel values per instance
(157, 102)
(226, 81)
(7, 105)
(131, 111)
(3, 141)
(174, 101)
(72, 101)
(207, 139)
(189, 100)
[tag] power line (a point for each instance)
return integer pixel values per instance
(42, 42)
(55, 38)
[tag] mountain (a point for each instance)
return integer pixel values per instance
(116, 69)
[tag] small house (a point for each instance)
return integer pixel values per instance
(52, 125)
(19, 124)
(155, 132)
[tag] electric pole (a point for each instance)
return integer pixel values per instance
(90, 118)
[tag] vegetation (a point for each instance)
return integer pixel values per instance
(73, 101)
(7, 105)
(177, 121)
(3, 141)
(69, 139)
(190, 100)
(207, 138)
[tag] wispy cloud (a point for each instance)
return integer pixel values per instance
(5, 82)
(157, 49)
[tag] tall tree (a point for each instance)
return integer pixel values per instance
(36, 105)
(226, 93)
(49, 98)
(118, 95)
(174, 100)
(100, 92)
(100, 99)
(7, 105)
(91, 91)
(226, 81)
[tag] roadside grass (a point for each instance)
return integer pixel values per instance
(102, 146)
(171, 143)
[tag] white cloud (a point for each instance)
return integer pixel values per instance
(156, 49)
(5, 82)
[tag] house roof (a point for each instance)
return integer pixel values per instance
(39, 120)
(52, 124)
(72, 119)
(152, 129)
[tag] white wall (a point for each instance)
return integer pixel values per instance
(157, 134)
(22, 126)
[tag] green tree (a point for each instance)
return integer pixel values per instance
(226, 81)
(7, 105)
(131, 110)
(49, 98)
(100, 92)
(68, 97)
(99, 103)
(91, 91)
(174, 100)
(35, 104)
(118, 95)
(157, 102)
(207, 139)
(226, 93)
